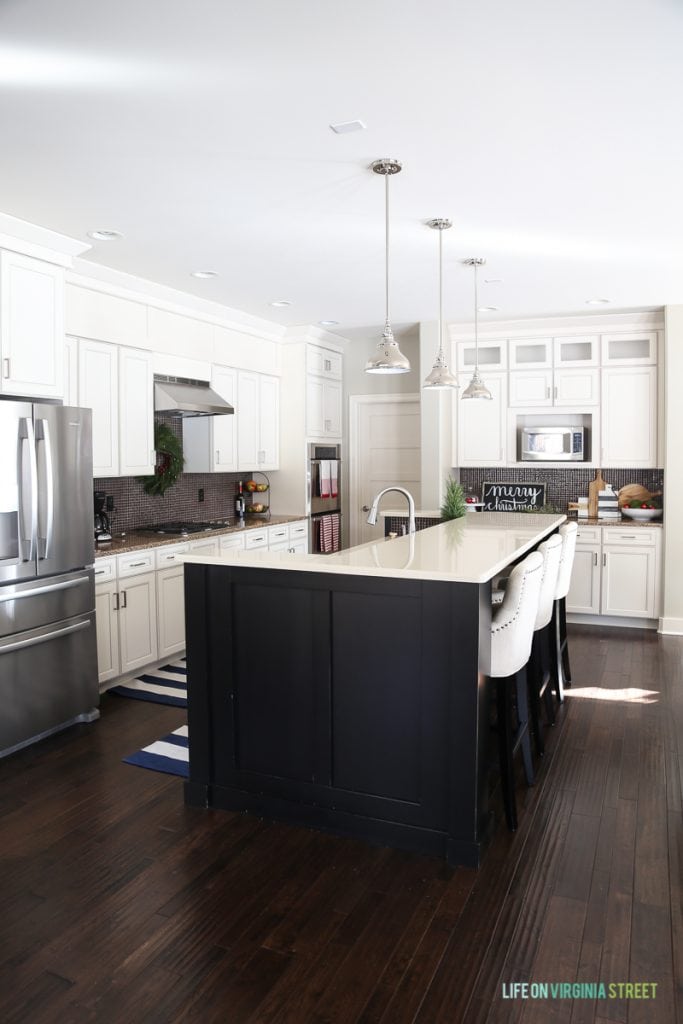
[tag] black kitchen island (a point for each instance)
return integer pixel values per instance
(349, 692)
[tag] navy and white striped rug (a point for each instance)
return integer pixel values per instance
(169, 754)
(165, 685)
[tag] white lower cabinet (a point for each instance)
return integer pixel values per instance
(140, 597)
(137, 621)
(616, 572)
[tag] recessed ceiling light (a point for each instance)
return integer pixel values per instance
(488, 309)
(597, 302)
(105, 236)
(281, 302)
(203, 273)
(344, 127)
(328, 323)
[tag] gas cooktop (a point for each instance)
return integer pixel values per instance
(181, 527)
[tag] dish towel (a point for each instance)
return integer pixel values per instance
(326, 534)
(324, 478)
(335, 518)
(334, 473)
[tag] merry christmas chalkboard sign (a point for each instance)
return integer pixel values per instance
(512, 497)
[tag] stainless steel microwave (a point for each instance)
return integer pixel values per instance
(552, 444)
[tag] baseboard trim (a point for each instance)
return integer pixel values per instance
(622, 621)
(670, 626)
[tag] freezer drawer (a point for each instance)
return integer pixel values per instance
(37, 603)
(48, 680)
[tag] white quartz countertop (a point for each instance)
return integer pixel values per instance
(471, 549)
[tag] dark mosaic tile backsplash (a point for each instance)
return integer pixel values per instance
(563, 485)
(133, 507)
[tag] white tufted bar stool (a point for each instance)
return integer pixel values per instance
(541, 674)
(512, 631)
(561, 670)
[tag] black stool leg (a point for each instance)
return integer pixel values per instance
(556, 654)
(507, 775)
(535, 677)
(548, 672)
(564, 646)
(523, 720)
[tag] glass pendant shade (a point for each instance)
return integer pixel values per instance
(440, 378)
(388, 358)
(476, 387)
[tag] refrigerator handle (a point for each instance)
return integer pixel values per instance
(28, 493)
(8, 645)
(46, 490)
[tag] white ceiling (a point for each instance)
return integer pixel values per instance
(549, 133)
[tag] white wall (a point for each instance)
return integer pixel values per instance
(672, 616)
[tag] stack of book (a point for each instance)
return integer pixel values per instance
(608, 504)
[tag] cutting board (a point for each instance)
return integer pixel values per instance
(594, 486)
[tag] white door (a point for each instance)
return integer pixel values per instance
(138, 621)
(31, 326)
(224, 382)
(584, 591)
(136, 413)
(629, 416)
(628, 581)
(530, 387)
(247, 420)
(481, 426)
(385, 452)
(576, 387)
(107, 626)
(171, 610)
(98, 390)
(269, 423)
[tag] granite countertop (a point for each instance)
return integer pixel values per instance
(472, 549)
(135, 540)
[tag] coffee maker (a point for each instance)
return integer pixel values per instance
(102, 528)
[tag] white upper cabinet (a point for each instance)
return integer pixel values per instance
(136, 413)
(324, 369)
(258, 411)
(638, 349)
(71, 371)
(571, 353)
(492, 355)
(531, 387)
(210, 442)
(481, 426)
(629, 416)
(91, 313)
(324, 362)
(31, 326)
(531, 354)
(576, 387)
(116, 383)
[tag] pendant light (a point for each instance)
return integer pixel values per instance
(388, 357)
(476, 387)
(440, 378)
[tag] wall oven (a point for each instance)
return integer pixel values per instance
(324, 498)
(553, 444)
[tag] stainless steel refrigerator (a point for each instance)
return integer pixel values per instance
(48, 644)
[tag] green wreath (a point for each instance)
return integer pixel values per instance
(169, 463)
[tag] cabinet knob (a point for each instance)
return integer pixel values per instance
(5, 368)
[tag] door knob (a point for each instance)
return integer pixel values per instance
(365, 508)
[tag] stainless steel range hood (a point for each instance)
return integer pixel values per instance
(180, 396)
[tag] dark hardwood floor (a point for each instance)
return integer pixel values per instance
(118, 904)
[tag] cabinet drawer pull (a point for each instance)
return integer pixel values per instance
(595, 558)
(5, 368)
(125, 599)
(547, 392)
(556, 391)
(626, 536)
(100, 572)
(136, 565)
(604, 559)
(116, 600)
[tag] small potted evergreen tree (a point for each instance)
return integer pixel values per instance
(454, 505)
